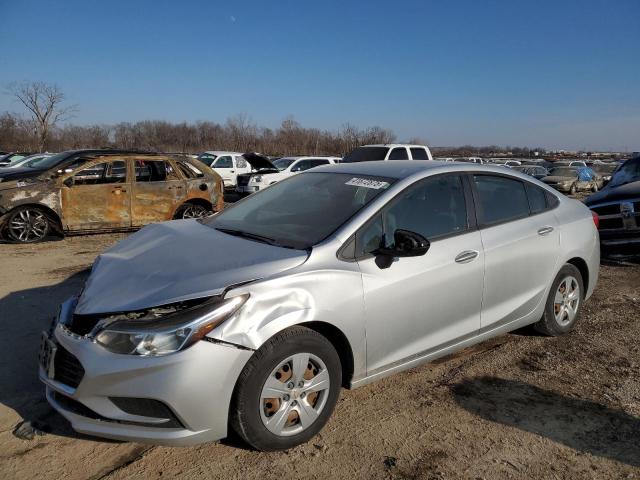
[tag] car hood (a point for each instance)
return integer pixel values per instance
(611, 194)
(18, 172)
(258, 161)
(175, 261)
(557, 179)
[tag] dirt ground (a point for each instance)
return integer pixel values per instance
(518, 406)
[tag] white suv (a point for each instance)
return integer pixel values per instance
(279, 169)
(388, 151)
(226, 164)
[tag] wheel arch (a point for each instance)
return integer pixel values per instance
(340, 342)
(52, 214)
(194, 201)
(583, 268)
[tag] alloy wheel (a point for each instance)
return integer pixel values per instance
(567, 300)
(294, 394)
(194, 211)
(28, 225)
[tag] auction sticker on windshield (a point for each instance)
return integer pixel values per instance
(367, 183)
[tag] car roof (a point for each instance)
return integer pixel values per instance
(391, 145)
(406, 168)
(221, 152)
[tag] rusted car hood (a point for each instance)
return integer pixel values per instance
(175, 261)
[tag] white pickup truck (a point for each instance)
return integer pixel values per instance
(388, 151)
(226, 164)
(269, 172)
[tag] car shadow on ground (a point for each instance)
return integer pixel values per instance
(23, 316)
(583, 425)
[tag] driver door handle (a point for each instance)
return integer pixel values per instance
(466, 256)
(545, 230)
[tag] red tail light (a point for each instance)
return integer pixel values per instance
(596, 219)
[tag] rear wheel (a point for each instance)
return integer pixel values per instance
(27, 225)
(192, 210)
(563, 303)
(287, 391)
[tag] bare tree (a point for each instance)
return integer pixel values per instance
(45, 104)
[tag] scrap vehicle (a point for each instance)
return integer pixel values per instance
(269, 172)
(388, 151)
(573, 179)
(256, 317)
(532, 170)
(605, 170)
(93, 191)
(226, 164)
(618, 206)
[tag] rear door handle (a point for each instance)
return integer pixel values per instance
(466, 256)
(545, 230)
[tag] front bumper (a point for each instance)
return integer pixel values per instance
(247, 189)
(195, 384)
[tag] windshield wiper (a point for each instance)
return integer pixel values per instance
(250, 236)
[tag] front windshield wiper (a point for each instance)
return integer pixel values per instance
(250, 236)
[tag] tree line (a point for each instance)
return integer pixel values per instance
(42, 129)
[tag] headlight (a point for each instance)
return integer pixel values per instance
(257, 178)
(167, 335)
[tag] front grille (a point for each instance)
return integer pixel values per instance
(607, 209)
(67, 368)
(83, 324)
(243, 179)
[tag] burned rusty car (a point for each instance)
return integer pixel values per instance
(106, 190)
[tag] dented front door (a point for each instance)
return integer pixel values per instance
(158, 190)
(97, 197)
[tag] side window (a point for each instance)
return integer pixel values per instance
(398, 153)
(434, 208)
(369, 238)
(241, 162)
(303, 165)
(189, 170)
(103, 173)
(501, 199)
(419, 154)
(537, 198)
(223, 162)
(154, 171)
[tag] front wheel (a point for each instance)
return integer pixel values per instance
(563, 303)
(27, 225)
(573, 189)
(287, 391)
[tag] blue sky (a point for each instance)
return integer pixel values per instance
(559, 74)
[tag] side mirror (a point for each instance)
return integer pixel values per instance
(68, 182)
(407, 244)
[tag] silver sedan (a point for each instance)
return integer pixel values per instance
(258, 316)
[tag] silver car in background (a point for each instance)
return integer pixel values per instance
(256, 317)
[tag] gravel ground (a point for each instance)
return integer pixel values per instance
(517, 406)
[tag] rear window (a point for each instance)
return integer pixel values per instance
(419, 154)
(399, 153)
(366, 154)
(501, 199)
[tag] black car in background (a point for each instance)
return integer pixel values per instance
(618, 206)
(7, 158)
(62, 160)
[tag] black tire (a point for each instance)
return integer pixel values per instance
(191, 210)
(245, 415)
(27, 224)
(549, 324)
(573, 189)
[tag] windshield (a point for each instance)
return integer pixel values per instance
(564, 172)
(366, 154)
(207, 158)
(49, 162)
(628, 172)
(283, 163)
(301, 211)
